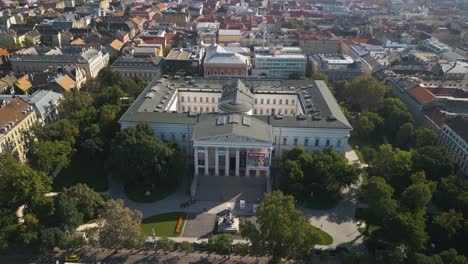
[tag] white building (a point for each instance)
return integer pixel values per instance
(454, 136)
(279, 62)
(237, 128)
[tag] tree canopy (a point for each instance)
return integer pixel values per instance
(282, 230)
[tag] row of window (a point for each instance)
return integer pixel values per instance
(197, 109)
(306, 142)
(207, 99)
(280, 101)
(273, 111)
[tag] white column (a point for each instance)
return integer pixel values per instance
(216, 162)
(237, 162)
(206, 161)
(195, 156)
(226, 163)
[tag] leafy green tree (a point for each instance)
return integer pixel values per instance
(20, 184)
(395, 113)
(435, 160)
(381, 205)
(52, 237)
(141, 160)
(405, 136)
(81, 199)
(452, 194)
(74, 102)
(282, 230)
(292, 177)
(394, 164)
(417, 196)
(220, 244)
(450, 223)
(424, 137)
(406, 229)
(352, 93)
(48, 155)
(109, 95)
(121, 226)
(61, 130)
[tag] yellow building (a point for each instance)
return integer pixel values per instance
(229, 37)
(16, 117)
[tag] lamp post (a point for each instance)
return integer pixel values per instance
(154, 237)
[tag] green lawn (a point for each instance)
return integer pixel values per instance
(138, 195)
(164, 224)
(80, 171)
(325, 238)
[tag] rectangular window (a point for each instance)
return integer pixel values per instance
(268, 111)
(195, 99)
(287, 101)
(201, 99)
(213, 109)
(327, 142)
(261, 101)
(195, 109)
(285, 141)
(207, 109)
(274, 101)
(182, 99)
(268, 101)
(338, 143)
(261, 111)
(207, 100)
(285, 111)
(212, 99)
(280, 101)
(183, 137)
(183, 108)
(188, 99)
(317, 142)
(295, 141)
(293, 101)
(256, 101)
(306, 141)
(189, 109)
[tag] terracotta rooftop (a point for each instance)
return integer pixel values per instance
(23, 83)
(116, 44)
(65, 82)
(4, 52)
(421, 94)
(12, 111)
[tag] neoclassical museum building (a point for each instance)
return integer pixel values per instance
(238, 127)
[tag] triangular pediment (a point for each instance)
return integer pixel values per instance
(231, 138)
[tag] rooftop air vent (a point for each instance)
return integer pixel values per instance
(317, 117)
(220, 120)
(246, 121)
(192, 114)
(331, 118)
(279, 116)
(301, 117)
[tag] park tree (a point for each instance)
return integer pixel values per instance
(435, 160)
(452, 194)
(48, 155)
(379, 198)
(61, 130)
(352, 92)
(417, 196)
(20, 184)
(405, 229)
(450, 256)
(143, 161)
(395, 113)
(449, 223)
(405, 136)
(52, 237)
(221, 244)
(424, 137)
(292, 178)
(120, 226)
(78, 204)
(394, 164)
(74, 102)
(282, 230)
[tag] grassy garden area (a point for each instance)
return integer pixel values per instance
(325, 238)
(80, 171)
(164, 224)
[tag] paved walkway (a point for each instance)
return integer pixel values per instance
(339, 222)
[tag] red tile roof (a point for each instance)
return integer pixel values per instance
(422, 94)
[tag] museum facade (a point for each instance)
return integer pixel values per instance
(239, 127)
